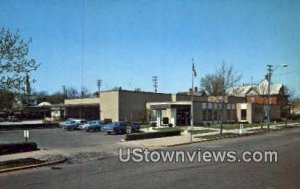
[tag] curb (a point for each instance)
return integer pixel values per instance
(34, 166)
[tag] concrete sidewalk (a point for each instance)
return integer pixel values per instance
(47, 155)
(185, 137)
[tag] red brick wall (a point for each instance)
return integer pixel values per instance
(264, 99)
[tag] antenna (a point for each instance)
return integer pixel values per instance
(155, 83)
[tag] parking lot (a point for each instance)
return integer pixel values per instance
(60, 139)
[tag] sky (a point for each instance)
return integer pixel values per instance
(126, 42)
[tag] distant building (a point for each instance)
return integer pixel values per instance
(258, 94)
(175, 109)
(116, 105)
(255, 100)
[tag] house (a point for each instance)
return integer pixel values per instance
(254, 107)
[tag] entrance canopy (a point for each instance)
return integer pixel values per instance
(174, 113)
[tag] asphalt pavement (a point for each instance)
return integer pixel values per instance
(59, 139)
(96, 172)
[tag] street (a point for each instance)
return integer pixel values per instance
(111, 173)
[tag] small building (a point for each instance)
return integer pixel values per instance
(207, 110)
(254, 108)
(116, 105)
(254, 113)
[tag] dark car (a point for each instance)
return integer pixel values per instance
(115, 127)
(120, 127)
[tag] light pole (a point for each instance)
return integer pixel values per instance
(270, 72)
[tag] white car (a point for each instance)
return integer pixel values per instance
(90, 123)
(72, 124)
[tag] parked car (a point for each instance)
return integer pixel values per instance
(72, 124)
(13, 119)
(2, 119)
(62, 123)
(94, 125)
(120, 127)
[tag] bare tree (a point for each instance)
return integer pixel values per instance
(228, 78)
(72, 92)
(85, 92)
(210, 83)
(288, 102)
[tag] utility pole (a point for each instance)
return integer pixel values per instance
(270, 70)
(65, 95)
(155, 83)
(99, 83)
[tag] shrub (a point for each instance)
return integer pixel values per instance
(139, 136)
(17, 147)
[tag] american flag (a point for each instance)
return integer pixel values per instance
(194, 70)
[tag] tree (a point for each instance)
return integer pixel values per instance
(219, 83)
(7, 100)
(41, 96)
(85, 92)
(210, 83)
(289, 102)
(14, 64)
(229, 78)
(72, 92)
(56, 98)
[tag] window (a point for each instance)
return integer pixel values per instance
(243, 114)
(209, 105)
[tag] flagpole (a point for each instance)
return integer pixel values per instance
(192, 102)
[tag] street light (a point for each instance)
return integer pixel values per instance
(270, 72)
